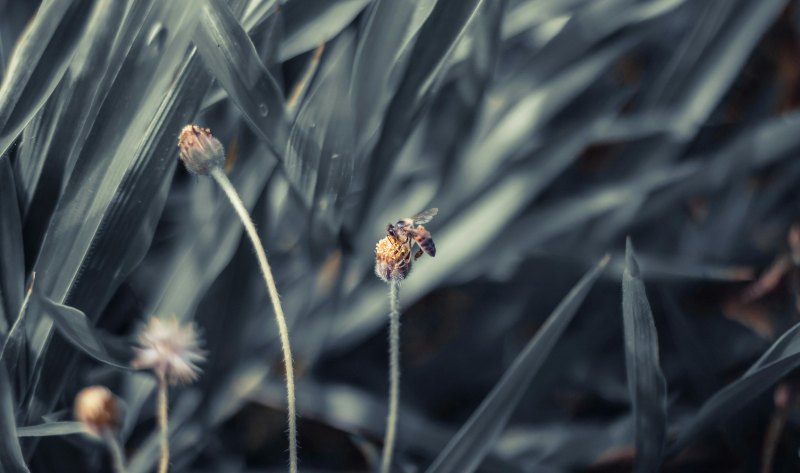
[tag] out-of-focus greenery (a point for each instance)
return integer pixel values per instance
(545, 131)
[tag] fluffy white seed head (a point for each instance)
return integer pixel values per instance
(169, 348)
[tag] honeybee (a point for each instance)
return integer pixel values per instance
(393, 252)
(411, 227)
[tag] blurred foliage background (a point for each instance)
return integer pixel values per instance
(545, 131)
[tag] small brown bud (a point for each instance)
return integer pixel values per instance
(392, 259)
(98, 410)
(200, 151)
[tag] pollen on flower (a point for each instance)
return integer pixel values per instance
(200, 151)
(170, 349)
(392, 259)
(98, 410)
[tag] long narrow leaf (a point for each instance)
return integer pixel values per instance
(475, 439)
(12, 269)
(310, 22)
(39, 60)
(437, 39)
(646, 384)
(76, 328)
(231, 58)
(51, 429)
(11, 460)
(781, 358)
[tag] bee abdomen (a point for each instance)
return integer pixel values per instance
(424, 240)
(428, 247)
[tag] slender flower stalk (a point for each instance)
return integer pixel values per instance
(172, 351)
(392, 265)
(203, 154)
(117, 457)
(163, 423)
(98, 410)
(394, 375)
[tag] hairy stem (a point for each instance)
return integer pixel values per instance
(394, 375)
(163, 423)
(115, 449)
(250, 228)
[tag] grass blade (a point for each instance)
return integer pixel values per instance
(646, 384)
(231, 58)
(77, 329)
(780, 359)
(11, 460)
(473, 441)
(435, 43)
(12, 267)
(51, 429)
(311, 22)
(39, 61)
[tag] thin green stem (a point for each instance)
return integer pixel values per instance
(163, 422)
(394, 375)
(115, 449)
(280, 318)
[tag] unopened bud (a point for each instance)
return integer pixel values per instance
(200, 151)
(98, 410)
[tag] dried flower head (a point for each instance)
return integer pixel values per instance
(200, 151)
(392, 259)
(170, 349)
(98, 410)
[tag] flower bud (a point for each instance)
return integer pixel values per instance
(98, 410)
(392, 259)
(200, 151)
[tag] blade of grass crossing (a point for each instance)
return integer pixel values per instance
(646, 384)
(474, 440)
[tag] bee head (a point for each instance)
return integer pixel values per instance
(391, 230)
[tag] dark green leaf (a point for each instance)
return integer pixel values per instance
(11, 460)
(40, 58)
(108, 212)
(386, 33)
(731, 399)
(646, 384)
(55, 139)
(435, 43)
(476, 437)
(12, 268)
(77, 329)
(51, 429)
(311, 22)
(231, 58)
(319, 156)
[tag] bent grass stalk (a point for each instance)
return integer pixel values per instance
(394, 375)
(226, 185)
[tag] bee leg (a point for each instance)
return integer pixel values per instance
(418, 254)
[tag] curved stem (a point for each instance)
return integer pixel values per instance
(163, 422)
(394, 375)
(283, 329)
(114, 448)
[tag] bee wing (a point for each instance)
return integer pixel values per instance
(425, 216)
